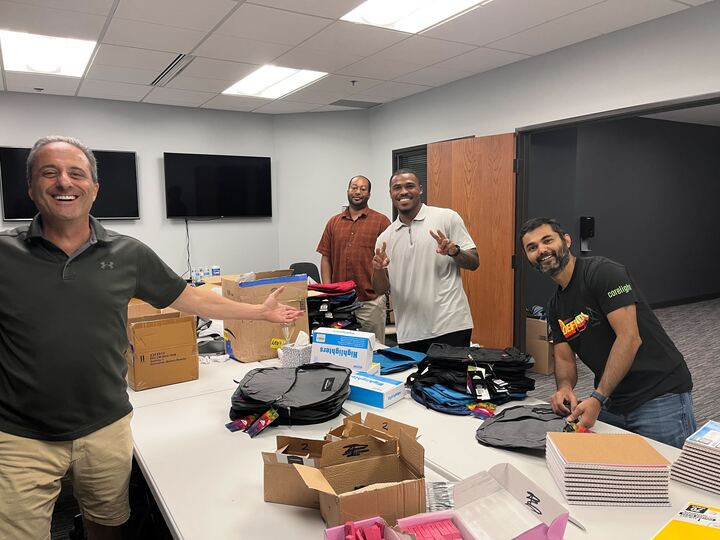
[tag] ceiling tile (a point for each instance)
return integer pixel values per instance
(376, 68)
(434, 76)
(275, 25)
(334, 9)
(224, 47)
(305, 58)
(234, 103)
(482, 59)
(95, 7)
(122, 74)
(51, 84)
(113, 90)
(199, 84)
(586, 24)
(208, 68)
(389, 91)
(423, 51)
(181, 13)
(332, 88)
(151, 36)
(353, 38)
(695, 2)
(50, 22)
(334, 108)
(173, 96)
(503, 18)
(285, 107)
(113, 55)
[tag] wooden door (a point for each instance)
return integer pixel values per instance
(475, 178)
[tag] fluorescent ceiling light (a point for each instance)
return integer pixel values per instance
(409, 15)
(272, 82)
(45, 54)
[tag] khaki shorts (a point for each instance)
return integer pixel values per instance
(31, 470)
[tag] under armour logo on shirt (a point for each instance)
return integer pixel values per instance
(107, 265)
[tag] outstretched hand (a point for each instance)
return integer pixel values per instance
(380, 259)
(276, 312)
(445, 245)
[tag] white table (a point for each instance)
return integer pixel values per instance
(452, 450)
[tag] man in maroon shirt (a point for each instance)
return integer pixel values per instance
(347, 247)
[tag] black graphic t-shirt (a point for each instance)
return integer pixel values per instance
(578, 316)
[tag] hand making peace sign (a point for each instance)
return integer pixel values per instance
(380, 260)
(445, 245)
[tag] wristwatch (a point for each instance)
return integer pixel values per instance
(597, 395)
(457, 251)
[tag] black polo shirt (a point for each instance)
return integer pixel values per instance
(578, 316)
(63, 328)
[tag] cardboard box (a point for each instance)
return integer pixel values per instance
(374, 390)
(390, 486)
(346, 348)
(284, 485)
(163, 347)
(538, 346)
(500, 503)
(383, 479)
(248, 341)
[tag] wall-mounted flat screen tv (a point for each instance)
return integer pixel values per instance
(212, 186)
(116, 199)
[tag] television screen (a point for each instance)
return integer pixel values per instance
(206, 186)
(116, 199)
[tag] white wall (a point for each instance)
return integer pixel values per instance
(317, 156)
(236, 245)
(672, 57)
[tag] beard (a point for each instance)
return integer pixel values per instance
(558, 261)
(358, 206)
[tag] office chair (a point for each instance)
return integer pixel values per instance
(306, 268)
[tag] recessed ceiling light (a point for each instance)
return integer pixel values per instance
(409, 15)
(34, 53)
(272, 82)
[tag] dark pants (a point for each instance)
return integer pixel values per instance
(461, 338)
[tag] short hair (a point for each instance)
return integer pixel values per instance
(61, 138)
(534, 223)
(404, 171)
(364, 178)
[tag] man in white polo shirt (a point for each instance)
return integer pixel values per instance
(418, 258)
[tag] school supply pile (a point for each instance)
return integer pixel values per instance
(333, 305)
(452, 379)
(699, 461)
(608, 469)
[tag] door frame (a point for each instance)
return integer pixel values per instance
(522, 170)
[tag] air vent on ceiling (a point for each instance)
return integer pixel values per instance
(173, 69)
(355, 104)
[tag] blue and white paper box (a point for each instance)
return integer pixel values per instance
(374, 390)
(345, 348)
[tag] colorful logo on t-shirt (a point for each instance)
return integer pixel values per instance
(622, 289)
(574, 325)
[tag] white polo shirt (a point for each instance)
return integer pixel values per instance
(426, 287)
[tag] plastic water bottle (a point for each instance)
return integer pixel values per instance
(196, 274)
(215, 270)
(206, 271)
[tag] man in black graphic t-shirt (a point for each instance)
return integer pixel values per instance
(642, 382)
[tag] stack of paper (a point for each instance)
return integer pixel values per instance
(699, 461)
(608, 469)
(694, 522)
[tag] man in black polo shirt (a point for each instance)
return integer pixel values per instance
(63, 311)
(642, 382)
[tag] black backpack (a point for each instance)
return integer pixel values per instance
(525, 426)
(307, 394)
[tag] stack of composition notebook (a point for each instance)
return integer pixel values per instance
(608, 469)
(699, 461)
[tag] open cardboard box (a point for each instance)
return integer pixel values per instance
(162, 347)
(283, 484)
(538, 345)
(374, 422)
(248, 341)
(500, 503)
(390, 486)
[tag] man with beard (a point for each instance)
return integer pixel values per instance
(418, 258)
(347, 246)
(642, 382)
